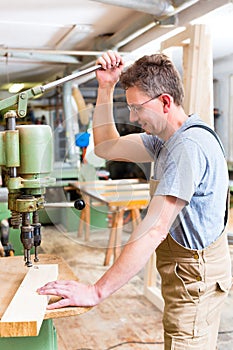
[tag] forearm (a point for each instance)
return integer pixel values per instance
(104, 129)
(133, 258)
(148, 235)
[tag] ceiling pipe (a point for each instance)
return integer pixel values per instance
(134, 25)
(12, 50)
(32, 56)
(157, 8)
(198, 9)
(152, 7)
(144, 23)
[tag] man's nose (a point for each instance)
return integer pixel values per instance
(133, 116)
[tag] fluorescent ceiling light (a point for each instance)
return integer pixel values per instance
(14, 88)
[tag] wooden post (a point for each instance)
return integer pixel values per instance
(152, 288)
(197, 69)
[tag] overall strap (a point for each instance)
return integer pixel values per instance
(211, 131)
(220, 144)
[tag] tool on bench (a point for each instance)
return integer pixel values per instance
(26, 153)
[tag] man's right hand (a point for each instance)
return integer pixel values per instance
(112, 66)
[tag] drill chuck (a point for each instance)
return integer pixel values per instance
(27, 239)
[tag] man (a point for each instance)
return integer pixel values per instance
(188, 201)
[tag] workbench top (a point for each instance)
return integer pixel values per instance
(13, 271)
(119, 193)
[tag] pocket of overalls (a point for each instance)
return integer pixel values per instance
(224, 286)
(217, 298)
(191, 277)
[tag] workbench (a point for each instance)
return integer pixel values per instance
(119, 196)
(12, 271)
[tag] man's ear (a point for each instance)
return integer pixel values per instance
(166, 100)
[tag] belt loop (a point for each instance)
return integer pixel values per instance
(203, 254)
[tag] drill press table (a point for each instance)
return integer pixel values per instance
(12, 272)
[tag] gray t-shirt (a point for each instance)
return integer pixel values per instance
(191, 166)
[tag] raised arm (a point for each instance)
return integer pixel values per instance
(108, 143)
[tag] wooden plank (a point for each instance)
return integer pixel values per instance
(116, 188)
(180, 39)
(118, 199)
(13, 271)
(186, 53)
(25, 313)
(153, 294)
(193, 73)
(129, 204)
(127, 195)
(197, 69)
(122, 182)
(204, 70)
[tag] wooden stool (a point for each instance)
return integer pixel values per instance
(115, 237)
(85, 218)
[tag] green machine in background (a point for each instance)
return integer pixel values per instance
(26, 153)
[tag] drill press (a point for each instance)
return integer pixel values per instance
(26, 153)
(26, 160)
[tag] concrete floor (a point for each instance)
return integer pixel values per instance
(127, 318)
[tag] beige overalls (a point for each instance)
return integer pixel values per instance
(194, 286)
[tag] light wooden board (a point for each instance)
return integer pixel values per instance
(77, 184)
(13, 271)
(25, 313)
(197, 69)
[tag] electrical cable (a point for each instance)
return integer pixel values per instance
(142, 343)
(225, 332)
(128, 342)
(134, 342)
